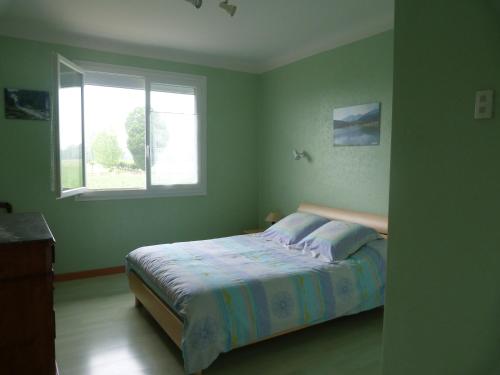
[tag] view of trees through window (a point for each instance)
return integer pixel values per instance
(115, 137)
(115, 132)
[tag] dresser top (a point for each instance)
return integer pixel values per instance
(23, 228)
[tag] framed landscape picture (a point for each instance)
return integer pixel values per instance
(27, 104)
(358, 125)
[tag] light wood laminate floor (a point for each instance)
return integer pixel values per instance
(100, 332)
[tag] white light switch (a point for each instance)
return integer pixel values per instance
(484, 105)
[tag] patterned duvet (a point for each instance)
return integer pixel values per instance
(236, 290)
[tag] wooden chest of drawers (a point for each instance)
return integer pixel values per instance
(27, 326)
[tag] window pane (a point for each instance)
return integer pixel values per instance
(115, 129)
(70, 128)
(173, 99)
(174, 137)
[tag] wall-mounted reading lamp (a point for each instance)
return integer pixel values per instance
(298, 155)
(229, 8)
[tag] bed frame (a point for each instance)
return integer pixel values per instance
(173, 325)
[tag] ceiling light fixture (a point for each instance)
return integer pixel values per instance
(230, 8)
(197, 3)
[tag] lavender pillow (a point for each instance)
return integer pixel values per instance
(336, 240)
(292, 228)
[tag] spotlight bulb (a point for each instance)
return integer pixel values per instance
(230, 8)
(197, 3)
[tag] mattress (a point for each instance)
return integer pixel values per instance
(233, 291)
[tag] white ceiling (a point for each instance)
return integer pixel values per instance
(263, 34)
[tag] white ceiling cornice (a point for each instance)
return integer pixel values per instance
(137, 50)
(326, 45)
(193, 58)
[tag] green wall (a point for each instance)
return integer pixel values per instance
(443, 302)
(296, 111)
(254, 122)
(99, 233)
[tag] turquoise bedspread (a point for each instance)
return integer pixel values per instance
(236, 290)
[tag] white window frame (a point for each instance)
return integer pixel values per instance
(199, 83)
(57, 158)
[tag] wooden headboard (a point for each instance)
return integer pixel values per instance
(377, 222)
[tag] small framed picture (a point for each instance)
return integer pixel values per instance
(358, 125)
(27, 104)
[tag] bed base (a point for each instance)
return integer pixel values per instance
(162, 313)
(167, 319)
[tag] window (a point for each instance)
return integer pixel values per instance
(125, 132)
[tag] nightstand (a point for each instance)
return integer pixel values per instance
(252, 231)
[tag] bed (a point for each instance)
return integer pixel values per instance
(216, 295)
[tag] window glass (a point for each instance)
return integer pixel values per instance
(174, 135)
(70, 128)
(115, 129)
